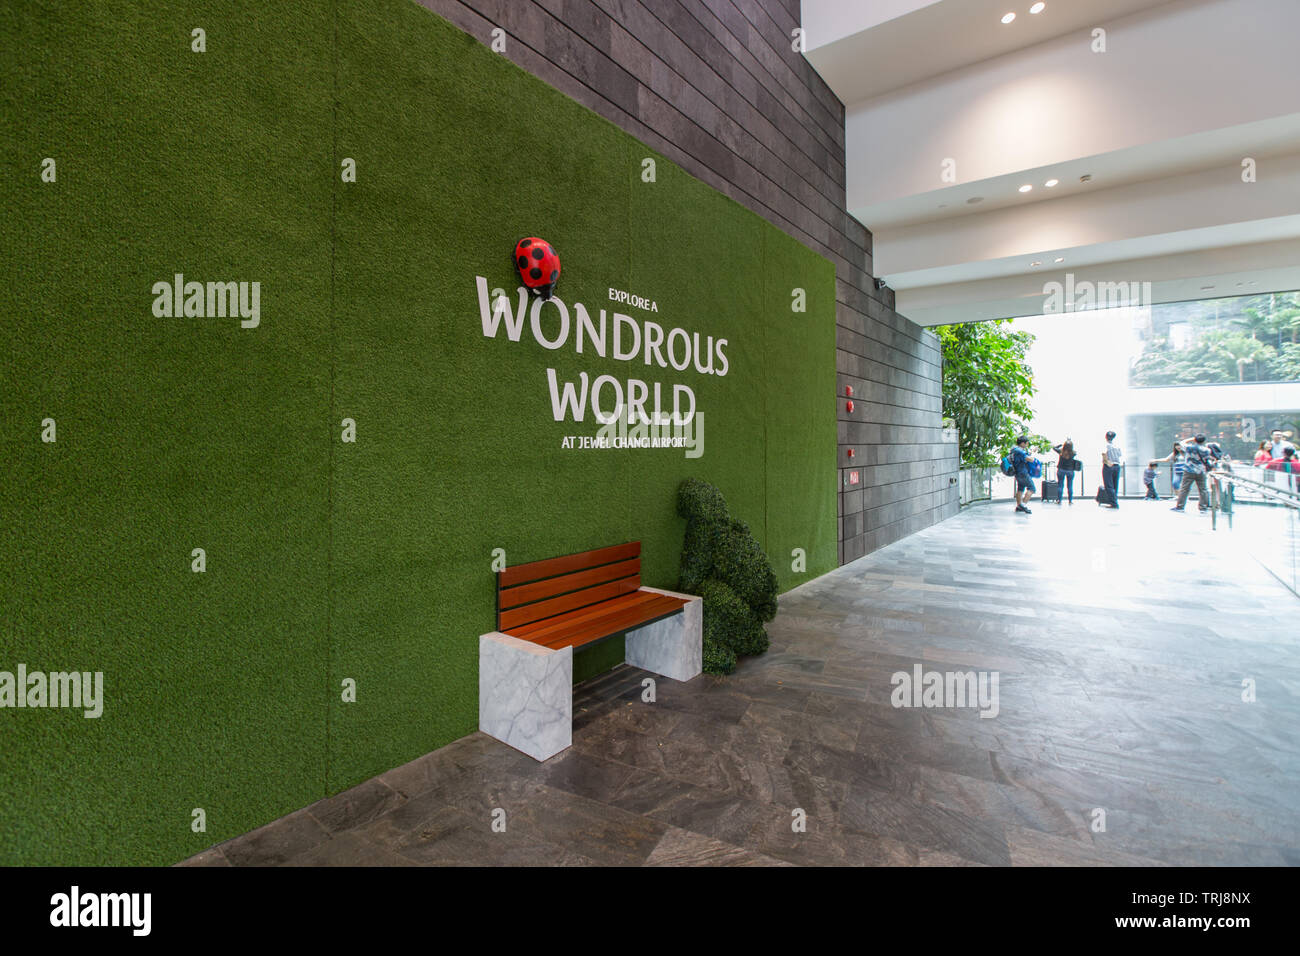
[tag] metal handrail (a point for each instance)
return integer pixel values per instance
(1223, 483)
(1253, 476)
(1279, 505)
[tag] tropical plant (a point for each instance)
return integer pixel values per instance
(1287, 362)
(1039, 443)
(1256, 321)
(986, 387)
(1238, 350)
(1288, 321)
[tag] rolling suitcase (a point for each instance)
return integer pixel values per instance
(1051, 483)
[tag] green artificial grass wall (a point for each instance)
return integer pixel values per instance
(326, 560)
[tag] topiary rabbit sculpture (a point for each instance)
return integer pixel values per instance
(726, 566)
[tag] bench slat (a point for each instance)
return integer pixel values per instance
(553, 586)
(579, 598)
(599, 620)
(616, 624)
(536, 570)
(535, 629)
(528, 613)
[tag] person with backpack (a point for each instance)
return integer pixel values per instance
(1066, 465)
(1199, 461)
(1111, 460)
(1020, 467)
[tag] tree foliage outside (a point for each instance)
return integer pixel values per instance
(1254, 338)
(987, 385)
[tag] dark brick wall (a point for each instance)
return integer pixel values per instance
(715, 86)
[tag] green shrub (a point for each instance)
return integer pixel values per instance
(718, 659)
(742, 564)
(699, 500)
(724, 564)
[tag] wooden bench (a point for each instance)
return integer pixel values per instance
(547, 608)
(580, 598)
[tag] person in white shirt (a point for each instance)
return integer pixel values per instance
(1111, 459)
(1280, 445)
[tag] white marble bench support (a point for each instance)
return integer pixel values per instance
(673, 646)
(525, 694)
(525, 691)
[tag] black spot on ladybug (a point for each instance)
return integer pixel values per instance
(535, 272)
(525, 243)
(538, 254)
(555, 274)
(523, 261)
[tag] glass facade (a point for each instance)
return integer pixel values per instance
(1227, 368)
(1249, 338)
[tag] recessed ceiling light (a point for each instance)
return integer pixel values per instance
(1008, 18)
(1060, 258)
(1086, 178)
(1207, 288)
(1051, 182)
(1038, 8)
(1025, 188)
(1034, 265)
(974, 199)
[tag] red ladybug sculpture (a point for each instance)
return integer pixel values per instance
(538, 265)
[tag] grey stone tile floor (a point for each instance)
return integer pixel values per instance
(1120, 639)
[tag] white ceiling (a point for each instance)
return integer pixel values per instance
(1194, 210)
(864, 49)
(1160, 124)
(1197, 274)
(1209, 149)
